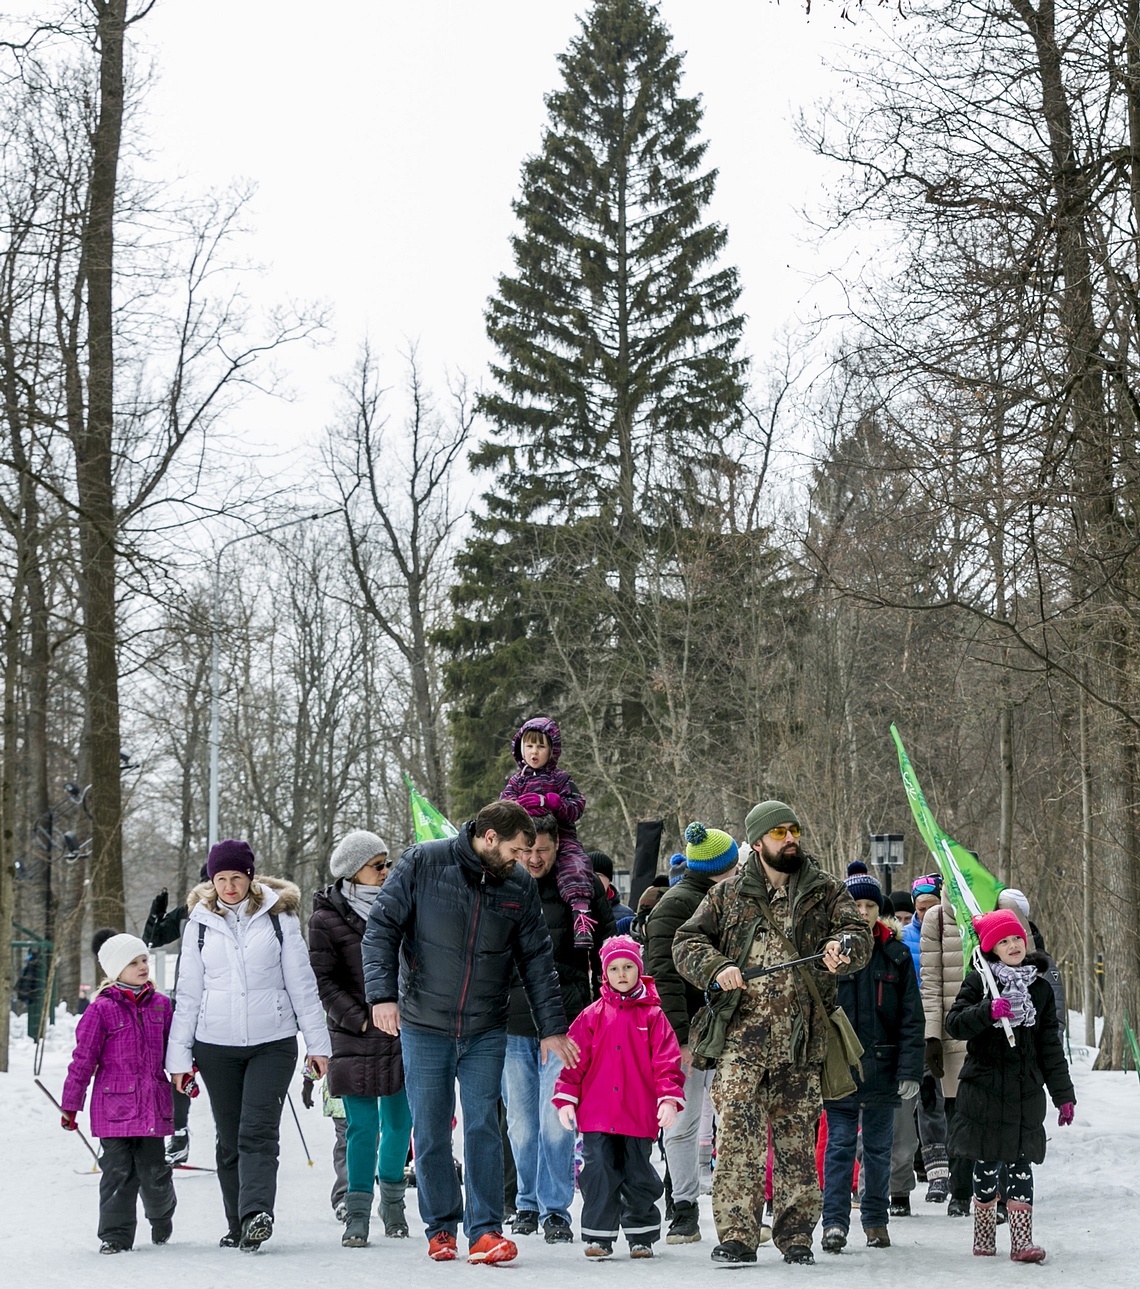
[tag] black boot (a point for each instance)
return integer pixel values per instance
(358, 1206)
(392, 1210)
(685, 1227)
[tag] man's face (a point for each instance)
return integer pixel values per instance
(779, 849)
(499, 855)
(536, 755)
(540, 858)
(903, 916)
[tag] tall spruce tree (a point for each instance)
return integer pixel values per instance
(618, 383)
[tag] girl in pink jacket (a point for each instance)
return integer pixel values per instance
(626, 1086)
(121, 1040)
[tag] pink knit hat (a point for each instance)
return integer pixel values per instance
(992, 927)
(622, 946)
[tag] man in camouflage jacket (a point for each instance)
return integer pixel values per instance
(767, 1035)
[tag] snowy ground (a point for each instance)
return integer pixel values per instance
(1087, 1213)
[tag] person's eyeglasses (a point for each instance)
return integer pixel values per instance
(380, 865)
(778, 834)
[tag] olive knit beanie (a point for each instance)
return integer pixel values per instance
(766, 816)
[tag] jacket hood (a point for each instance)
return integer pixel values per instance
(646, 997)
(884, 932)
(545, 726)
(286, 896)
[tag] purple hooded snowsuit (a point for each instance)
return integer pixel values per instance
(122, 1041)
(572, 870)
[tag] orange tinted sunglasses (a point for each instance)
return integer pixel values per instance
(778, 834)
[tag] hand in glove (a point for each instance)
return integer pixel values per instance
(934, 1061)
(158, 906)
(1066, 1114)
(567, 1118)
(67, 1120)
(531, 802)
(306, 1092)
(553, 802)
(1000, 1009)
(666, 1114)
(908, 1089)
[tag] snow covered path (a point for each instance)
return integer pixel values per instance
(1087, 1216)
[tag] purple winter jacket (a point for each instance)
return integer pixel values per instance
(549, 778)
(122, 1042)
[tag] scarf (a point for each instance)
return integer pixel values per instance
(1014, 983)
(360, 898)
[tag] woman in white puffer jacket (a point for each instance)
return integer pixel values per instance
(245, 987)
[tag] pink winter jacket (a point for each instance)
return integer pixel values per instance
(630, 1062)
(121, 1041)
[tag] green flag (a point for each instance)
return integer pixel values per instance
(970, 887)
(429, 824)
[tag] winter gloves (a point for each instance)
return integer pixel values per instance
(158, 906)
(1000, 1009)
(1066, 1116)
(537, 803)
(934, 1061)
(306, 1091)
(67, 1120)
(908, 1089)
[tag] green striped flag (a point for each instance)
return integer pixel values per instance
(971, 888)
(429, 824)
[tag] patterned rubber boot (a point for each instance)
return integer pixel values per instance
(985, 1228)
(1021, 1246)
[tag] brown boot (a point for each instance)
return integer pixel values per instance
(985, 1228)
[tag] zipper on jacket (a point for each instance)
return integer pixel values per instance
(470, 956)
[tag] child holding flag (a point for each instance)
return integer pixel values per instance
(1000, 1112)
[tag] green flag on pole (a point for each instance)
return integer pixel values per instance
(429, 824)
(971, 888)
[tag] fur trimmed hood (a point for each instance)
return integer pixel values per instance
(288, 896)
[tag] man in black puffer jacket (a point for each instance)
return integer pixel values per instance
(452, 921)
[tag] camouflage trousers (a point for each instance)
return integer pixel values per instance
(747, 1098)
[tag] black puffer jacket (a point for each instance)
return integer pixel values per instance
(680, 1001)
(573, 965)
(999, 1113)
(444, 936)
(365, 1061)
(883, 1005)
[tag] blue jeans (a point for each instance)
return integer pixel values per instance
(839, 1162)
(543, 1149)
(432, 1064)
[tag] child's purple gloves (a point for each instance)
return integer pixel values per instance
(1000, 1009)
(1066, 1114)
(553, 801)
(531, 802)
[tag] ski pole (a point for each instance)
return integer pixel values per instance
(754, 973)
(82, 1138)
(304, 1147)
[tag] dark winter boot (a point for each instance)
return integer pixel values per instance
(1021, 1246)
(392, 1210)
(358, 1205)
(937, 1173)
(686, 1225)
(985, 1228)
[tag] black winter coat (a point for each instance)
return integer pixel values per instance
(1000, 1110)
(680, 1001)
(445, 935)
(365, 1061)
(884, 1006)
(574, 966)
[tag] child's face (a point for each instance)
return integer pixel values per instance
(868, 911)
(136, 972)
(622, 974)
(536, 755)
(1011, 950)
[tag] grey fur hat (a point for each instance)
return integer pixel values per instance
(355, 850)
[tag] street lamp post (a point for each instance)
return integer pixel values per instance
(887, 853)
(215, 650)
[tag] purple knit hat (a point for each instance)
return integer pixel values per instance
(230, 856)
(621, 946)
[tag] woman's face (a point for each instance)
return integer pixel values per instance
(232, 888)
(374, 872)
(1011, 950)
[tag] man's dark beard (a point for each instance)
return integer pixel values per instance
(787, 861)
(493, 861)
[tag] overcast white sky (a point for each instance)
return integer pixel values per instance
(386, 139)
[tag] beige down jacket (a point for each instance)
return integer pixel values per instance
(940, 951)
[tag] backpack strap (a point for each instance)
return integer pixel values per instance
(275, 918)
(201, 935)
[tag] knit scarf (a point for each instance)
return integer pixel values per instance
(360, 898)
(1015, 982)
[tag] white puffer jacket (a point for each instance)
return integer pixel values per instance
(940, 949)
(244, 987)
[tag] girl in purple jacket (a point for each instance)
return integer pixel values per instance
(121, 1039)
(626, 1086)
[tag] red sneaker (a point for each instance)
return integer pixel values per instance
(441, 1247)
(493, 1247)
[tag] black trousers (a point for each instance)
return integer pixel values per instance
(961, 1170)
(247, 1087)
(132, 1166)
(619, 1186)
